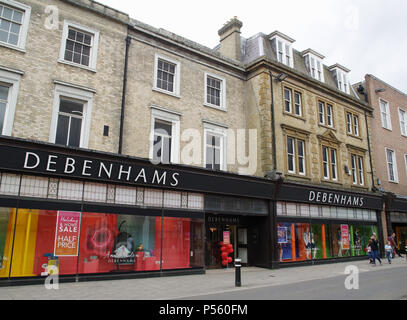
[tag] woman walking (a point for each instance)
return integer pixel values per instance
(374, 246)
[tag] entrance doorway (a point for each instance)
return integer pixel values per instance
(214, 236)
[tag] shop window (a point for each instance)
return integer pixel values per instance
(340, 240)
(7, 219)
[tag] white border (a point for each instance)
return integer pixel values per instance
(174, 118)
(387, 112)
(176, 91)
(222, 91)
(78, 94)
(396, 175)
(22, 39)
(93, 49)
(405, 122)
(13, 80)
(220, 131)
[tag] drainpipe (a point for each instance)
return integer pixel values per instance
(273, 126)
(126, 62)
(370, 153)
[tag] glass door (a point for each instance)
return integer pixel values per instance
(242, 244)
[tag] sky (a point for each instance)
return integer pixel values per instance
(365, 36)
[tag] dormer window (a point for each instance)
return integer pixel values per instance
(341, 76)
(283, 48)
(313, 62)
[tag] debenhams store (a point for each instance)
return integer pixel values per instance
(88, 215)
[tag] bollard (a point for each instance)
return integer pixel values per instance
(238, 265)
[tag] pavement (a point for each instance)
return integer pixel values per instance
(191, 286)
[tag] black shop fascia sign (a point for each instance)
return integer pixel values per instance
(321, 196)
(56, 161)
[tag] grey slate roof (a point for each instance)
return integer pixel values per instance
(259, 45)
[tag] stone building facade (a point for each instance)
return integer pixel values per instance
(44, 73)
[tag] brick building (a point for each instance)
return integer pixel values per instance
(389, 150)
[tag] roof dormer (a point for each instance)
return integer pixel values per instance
(282, 45)
(340, 74)
(313, 62)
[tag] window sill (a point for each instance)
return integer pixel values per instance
(294, 175)
(294, 115)
(326, 126)
(362, 188)
(332, 182)
(214, 107)
(76, 65)
(353, 136)
(387, 129)
(394, 182)
(167, 92)
(10, 46)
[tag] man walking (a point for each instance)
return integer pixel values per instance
(393, 242)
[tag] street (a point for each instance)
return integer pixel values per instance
(385, 284)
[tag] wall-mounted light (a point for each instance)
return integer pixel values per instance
(347, 170)
(274, 175)
(281, 77)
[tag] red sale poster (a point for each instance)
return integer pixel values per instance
(345, 236)
(67, 234)
(226, 237)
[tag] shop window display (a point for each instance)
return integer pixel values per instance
(401, 234)
(89, 243)
(286, 244)
(7, 217)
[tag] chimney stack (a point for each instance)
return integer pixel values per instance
(230, 39)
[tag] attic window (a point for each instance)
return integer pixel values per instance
(342, 81)
(283, 48)
(313, 62)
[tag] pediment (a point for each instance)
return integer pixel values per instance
(330, 136)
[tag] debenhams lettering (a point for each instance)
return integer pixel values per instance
(334, 198)
(100, 170)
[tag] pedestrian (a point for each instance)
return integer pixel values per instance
(395, 245)
(389, 251)
(369, 251)
(374, 245)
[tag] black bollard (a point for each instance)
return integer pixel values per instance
(238, 265)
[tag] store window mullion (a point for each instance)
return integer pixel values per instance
(14, 230)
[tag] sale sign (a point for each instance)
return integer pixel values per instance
(226, 237)
(67, 233)
(345, 236)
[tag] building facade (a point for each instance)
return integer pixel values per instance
(314, 143)
(127, 150)
(389, 150)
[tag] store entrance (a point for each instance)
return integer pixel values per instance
(225, 230)
(216, 235)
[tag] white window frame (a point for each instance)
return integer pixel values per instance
(294, 144)
(93, 50)
(176, 89)
(401, 122)
(222, 91)
(222, 133)
(395, 171)
(342, 81)
(175, 119)
(317, 60)
(386, 125)
(405, 160)
(285, 45)
(22, 39)
(11, 79)
(85, 95)
(299, 104)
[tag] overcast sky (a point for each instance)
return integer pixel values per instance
(366, 36)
